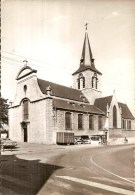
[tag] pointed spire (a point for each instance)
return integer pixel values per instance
(87, 60)
(87, 56)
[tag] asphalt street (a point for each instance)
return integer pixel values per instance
(61, 170)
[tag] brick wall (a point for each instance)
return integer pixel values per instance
(60, 123)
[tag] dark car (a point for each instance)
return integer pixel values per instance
(85, 139)
(8, 143)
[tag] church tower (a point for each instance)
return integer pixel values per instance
(87, 78)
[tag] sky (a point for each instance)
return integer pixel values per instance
(50, 35)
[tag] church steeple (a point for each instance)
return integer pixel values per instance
(87, 78)
(87, 60)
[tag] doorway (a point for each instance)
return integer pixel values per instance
(25, 134)
(24, 131)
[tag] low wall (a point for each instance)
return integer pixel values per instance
(121, 133)
(119, 141)
(115, 133)
(128, 133)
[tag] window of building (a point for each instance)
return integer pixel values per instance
(81, 81)
(129, 124)
(25, 88)
(114, 117)
(95, 81)
(123, 124)
(80, 121)
(78, 83)
(100, 122)
(68, 121)
(25, 110)
(91, 122)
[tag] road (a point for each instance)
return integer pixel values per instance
(81, 170)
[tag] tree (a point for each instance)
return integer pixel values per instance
(3, 112)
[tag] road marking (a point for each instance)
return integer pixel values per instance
(91, 159)
(98, 185)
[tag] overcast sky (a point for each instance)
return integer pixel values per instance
(50, 34)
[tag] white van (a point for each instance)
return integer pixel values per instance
(95, 139)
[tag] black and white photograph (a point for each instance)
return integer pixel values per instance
(67, 105)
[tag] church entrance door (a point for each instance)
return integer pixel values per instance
(24, 131)
(25, 134)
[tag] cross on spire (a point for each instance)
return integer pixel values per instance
(25, 62)
(86, 25)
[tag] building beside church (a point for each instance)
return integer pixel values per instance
(42, 108)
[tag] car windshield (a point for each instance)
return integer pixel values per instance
(85, 137)
(95, 138)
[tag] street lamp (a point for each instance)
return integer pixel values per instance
(106, 131)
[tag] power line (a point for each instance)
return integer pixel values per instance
(34, 65)
(29, 58)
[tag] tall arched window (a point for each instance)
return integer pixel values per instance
(25, 109)
(114, 117)
(81, 81)
(80, 121)
(129, 124)
(91, 122)
(95, 81)
(68, 121)
(100, 122)
(83, 78)
(78, 83)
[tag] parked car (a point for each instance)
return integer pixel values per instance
(78, 140)
(8, 143)
(95, 139)
(82, 139)
(85, 139)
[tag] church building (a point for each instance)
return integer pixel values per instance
(42, 108)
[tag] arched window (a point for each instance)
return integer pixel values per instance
(123, 124)
(80, 121)
(83, 78)
(25, 89)
(78, 83)
(95, 81)
(129, 124)
(100, 122)
(68, 121)
(81, 81)
(91, 122)
(25, 109)
(114, 117)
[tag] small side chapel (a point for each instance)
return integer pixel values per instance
(41, 108)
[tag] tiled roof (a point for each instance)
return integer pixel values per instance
(126, 114)
(86, 67)
(66, 105)
(61, 91)
(101, 103)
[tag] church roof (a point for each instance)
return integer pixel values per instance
(61, 91)
(86, 108)
(101, 103)
(86, 67)
(87, 60)
(126, 114)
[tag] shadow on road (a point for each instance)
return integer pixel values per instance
(23, 177)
